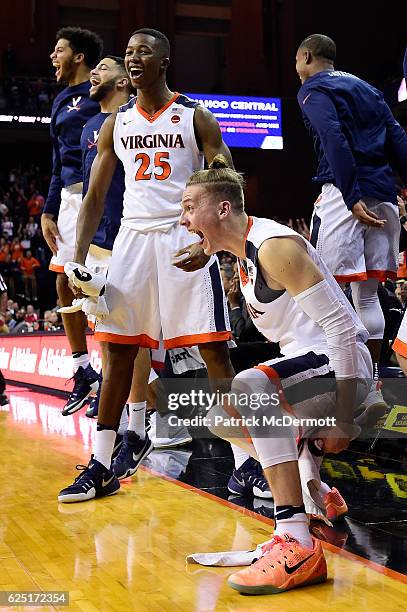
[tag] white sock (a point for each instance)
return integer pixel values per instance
(240, 455)
(137, 418)
(124, 422)
(103, 446)
(82, 360)
(297, 527)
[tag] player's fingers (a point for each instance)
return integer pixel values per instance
(51, 242)
(182, 252)
(182, 263)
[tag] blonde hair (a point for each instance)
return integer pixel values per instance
(221, 181)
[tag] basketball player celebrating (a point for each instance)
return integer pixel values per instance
(75, 53)
(110, 87)
(161, 138)
(294, 300)
(355, 226)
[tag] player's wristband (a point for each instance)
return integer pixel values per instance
(403, 219)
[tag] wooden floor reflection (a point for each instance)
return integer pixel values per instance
(127, 552)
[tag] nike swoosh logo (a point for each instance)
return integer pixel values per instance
(126, 122)
(137, 457)
(241, 482)
(293, 568)
(106, 482)
(306, 98)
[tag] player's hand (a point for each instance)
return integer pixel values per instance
(234, 293)
(303, 229)
(366, 216)
(50, 231)
(335, 445)
(78, 293)
(194, 259)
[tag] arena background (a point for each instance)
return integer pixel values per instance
(219, 47)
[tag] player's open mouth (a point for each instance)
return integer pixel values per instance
(135, 73)
(94, 82)
(58, 70)
(200, 234)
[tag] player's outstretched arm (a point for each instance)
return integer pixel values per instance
(209, 136)
(93, 205)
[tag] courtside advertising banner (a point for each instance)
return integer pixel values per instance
(42, 359)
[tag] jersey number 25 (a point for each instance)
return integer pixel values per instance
(161, 169)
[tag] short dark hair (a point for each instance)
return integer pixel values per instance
(83, 41)
(320, 46)
(119, 61)
(159, 36)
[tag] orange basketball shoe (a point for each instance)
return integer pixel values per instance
(284, 565)
(335, 505)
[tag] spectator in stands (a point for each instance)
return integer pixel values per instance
(4, 249)
(47, 324)
(35, 204)
(31, 227)
(7, 227)
(10, 321)
(3, 209)
(55, 322)
(25, 241)
(12, 274)
(403, 294)
(28, 265)
(31, 316)
(16, 250)
(21, 326)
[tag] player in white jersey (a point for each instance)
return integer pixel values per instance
(293, 299)
(160, 138)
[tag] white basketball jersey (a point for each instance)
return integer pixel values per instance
(159, 153)
(278, 317)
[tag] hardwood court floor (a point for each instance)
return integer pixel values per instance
(127, 552)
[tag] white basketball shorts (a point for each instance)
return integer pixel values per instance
(71, 200)
(146, 294)
(351, 250)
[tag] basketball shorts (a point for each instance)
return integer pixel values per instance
(314, 401)
(101, 257)
(400, 343)
(351, 250)
(146, 294)
(71, 200)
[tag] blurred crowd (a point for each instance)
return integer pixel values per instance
(24, 255)
(27, 95)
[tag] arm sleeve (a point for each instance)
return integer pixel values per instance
(53, 201)
(321, 114)
(396, 142)
(320, 304)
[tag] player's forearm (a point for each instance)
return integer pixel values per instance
(53, 201)
(89, 217)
